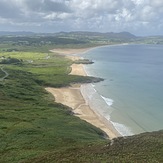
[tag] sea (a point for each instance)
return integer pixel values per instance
(131, 95)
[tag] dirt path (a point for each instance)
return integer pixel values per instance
(6, 74)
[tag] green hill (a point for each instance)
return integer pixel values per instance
(143, 148)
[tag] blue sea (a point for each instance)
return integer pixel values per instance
(131, 96)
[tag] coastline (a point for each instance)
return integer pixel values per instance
(74, 98)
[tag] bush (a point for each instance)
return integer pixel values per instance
(10, 61)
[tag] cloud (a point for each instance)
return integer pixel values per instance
(137, 16)
(9, 10)
(47, 6)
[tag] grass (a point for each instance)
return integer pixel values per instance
(2, 74)
(31, 123)
(42, 48)
(143, 148)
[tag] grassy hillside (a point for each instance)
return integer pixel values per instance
(31, 123)
(143, 148)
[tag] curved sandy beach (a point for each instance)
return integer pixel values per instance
(72, 97)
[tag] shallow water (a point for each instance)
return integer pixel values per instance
(131, 96)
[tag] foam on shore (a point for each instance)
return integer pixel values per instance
(122, 129)
(98, 105)
(108, 100)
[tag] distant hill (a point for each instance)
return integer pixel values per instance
(87, 37)
(85, 34)
(110, 35)
(121, 35)
(78, 38)
(20, 33)
(126, 35)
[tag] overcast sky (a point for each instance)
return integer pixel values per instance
(140, 17)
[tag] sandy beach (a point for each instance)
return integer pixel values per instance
(70, 52)
(72, 97)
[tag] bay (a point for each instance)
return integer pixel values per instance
(133, 87)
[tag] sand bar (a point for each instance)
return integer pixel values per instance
(72, 97)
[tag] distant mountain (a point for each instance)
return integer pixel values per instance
(19, 33)
(110, 35)
(121, 35)
(126, 35)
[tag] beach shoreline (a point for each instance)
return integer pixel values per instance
(72, 96)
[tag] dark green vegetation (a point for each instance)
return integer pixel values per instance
(143, 148)
(11, 61)
(33, 128)
(83, 61)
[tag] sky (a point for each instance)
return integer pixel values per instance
(140, 17)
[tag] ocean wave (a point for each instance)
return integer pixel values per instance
(122, 129)
(108, 100)
(93, 99)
